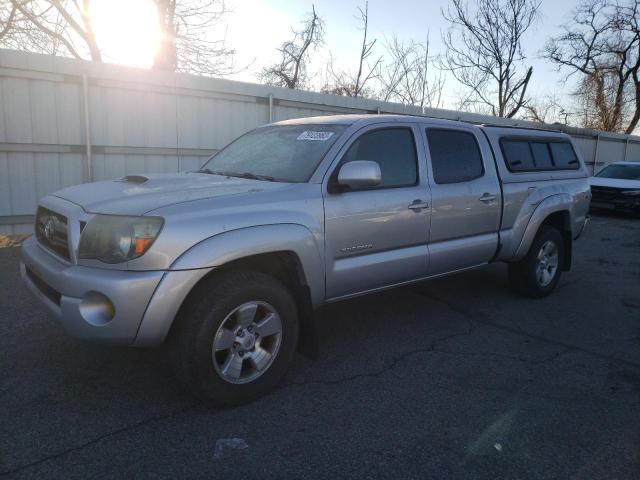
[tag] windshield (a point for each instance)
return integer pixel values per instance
(285, 153)
(625, 172)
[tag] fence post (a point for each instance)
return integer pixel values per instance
(626, 148)
(87, 127)
(270, 108)
(595, 154)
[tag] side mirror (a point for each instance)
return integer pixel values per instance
(360, 174)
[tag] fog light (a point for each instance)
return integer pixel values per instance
(96, 309)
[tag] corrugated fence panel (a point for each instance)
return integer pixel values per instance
(69, 113)
(107, 117)
(115, 166)
(611, 151)
(22, 183)
(3, 112)
(71, 169)
(161, 123)
(148, 121)
(587, 146)
(191, 163)
(134, 164)
(16, 107)
(188, 133)
(48, 173)
(633, 151)
(43, 112)
(5, 191)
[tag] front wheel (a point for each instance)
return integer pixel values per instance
(538, 273)
(236, 337)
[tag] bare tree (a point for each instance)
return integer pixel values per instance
(63, 27)
(291, 71)
(602, 45)
(598, 103)
(407, 77)
(186, 27)
(8, 14)
(548, 108)
(18, 33)
(50, 26)
(484, 52)
(355, 84)
(605, 103)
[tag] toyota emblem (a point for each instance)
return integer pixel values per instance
(49, 228)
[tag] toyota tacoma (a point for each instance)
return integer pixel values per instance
(226, 266)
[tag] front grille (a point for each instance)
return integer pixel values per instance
(607, 193)
(51, 232)
(613, 198)
(49, 292)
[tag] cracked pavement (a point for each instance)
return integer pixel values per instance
(453, 378)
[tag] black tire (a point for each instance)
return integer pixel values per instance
(523, 275)
(191, 340)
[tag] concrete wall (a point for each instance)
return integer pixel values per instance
(65, 121)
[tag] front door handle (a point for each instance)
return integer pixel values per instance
(487, 198)
(418, 205)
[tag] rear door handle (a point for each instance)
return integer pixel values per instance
(418, 205)
(487, 198)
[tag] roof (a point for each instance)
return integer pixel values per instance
(516, 127)
(370, 118)
(373, 118)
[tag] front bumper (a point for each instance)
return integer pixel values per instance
(616, 206)
(613, 199)
(79, 296)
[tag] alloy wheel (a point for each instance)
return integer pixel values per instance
(247, 342)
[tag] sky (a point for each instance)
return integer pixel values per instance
(255, 28)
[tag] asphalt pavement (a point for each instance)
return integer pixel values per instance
(456, 378)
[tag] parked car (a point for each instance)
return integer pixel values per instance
(617, 188)
(229, 264)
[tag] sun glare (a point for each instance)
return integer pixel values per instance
(126, 30)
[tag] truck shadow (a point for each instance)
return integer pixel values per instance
(408, 310)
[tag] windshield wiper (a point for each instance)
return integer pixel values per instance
(249, 175)
(210, 172)
(252, 176)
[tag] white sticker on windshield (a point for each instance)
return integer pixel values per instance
(317, 136)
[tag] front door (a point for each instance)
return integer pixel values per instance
(378, 236)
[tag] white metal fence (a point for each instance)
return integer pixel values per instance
(65, 121)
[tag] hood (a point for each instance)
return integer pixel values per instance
(136, 195)
(614, 182)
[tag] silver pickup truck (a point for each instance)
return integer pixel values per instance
(228, 265)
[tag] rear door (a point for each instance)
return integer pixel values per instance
(378, 236)
(466, 199)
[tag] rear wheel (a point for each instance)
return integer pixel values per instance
(236, 337)
(538, 273)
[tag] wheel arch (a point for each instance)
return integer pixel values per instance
(286, 251)
(554, 211)
(561, 221)
(286, 267)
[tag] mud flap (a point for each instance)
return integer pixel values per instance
(308, 342)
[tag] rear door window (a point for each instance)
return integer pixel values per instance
(455, 156)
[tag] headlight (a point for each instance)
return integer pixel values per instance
(631, 192)
(116, 239)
